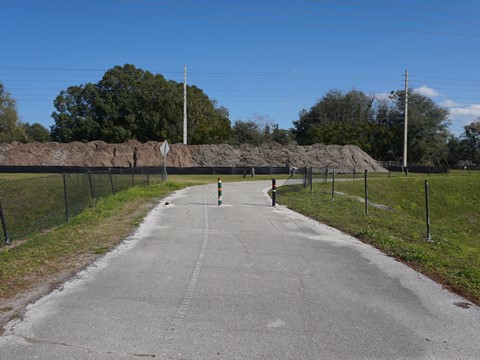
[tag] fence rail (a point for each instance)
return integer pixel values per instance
(198, 170)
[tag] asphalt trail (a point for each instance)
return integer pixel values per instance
(243, 281)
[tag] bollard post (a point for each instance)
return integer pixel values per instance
(65, 196)
(366, 192)
(4, 226)
(333, 185)
(219, 191)
(427, 207)
(274, 192)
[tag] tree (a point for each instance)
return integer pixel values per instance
(37, 132)
(247, 132)
(130, 103)
(471, 140)
(376, 125)
(10, 126)
(427, 126)
(335, 119)
(259, 131)
(281, 136)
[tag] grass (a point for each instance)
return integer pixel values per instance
(35, 203)
(40, 255)
(208, 179)
(453, 258)
(93, 232)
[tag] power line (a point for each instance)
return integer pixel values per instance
(445, 78)
(245, 75)
(249, 21)
(291, 10)
(445, 83)
(399, 6)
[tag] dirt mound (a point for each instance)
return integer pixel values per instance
(136, 154)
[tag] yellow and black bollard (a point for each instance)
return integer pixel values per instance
(219, 191)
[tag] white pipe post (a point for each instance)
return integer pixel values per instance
(405, 136)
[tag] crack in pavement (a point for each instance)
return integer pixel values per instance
(35, 341)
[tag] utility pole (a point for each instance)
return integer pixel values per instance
(185, 104)
(405, 136)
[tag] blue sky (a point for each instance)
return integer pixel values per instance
(257, 58)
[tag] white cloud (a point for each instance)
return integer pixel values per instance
(449, 104)
(426, 91)
(382, 96)
(471, 110)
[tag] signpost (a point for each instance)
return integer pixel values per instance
(164, 149)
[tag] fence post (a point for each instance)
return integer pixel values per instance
(354, 173)
(427, 207)
(92, 188)
(4, 226)
(274, 192)
(111, 181)
(311, 179)
(326, 174)
(220, 191)
(333, 185)
(65, 196)
(366, 192)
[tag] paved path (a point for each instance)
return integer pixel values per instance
(243, 281)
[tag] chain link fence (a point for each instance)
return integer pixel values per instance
(32, 204)
(302, 178)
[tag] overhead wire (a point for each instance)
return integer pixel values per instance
(255, 96)
(401, 5)
(249, 21)
(289, 11)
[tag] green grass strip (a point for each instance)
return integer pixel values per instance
(453, 258)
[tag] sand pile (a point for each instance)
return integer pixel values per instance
(136, 154)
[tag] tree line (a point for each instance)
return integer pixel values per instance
(11, 128)
(130, 103)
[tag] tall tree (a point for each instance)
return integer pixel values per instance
(376, 125)
(427, 126)
(10, 125)
(471, 140)
(130, 103)
(338, 118)
(260, 130)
